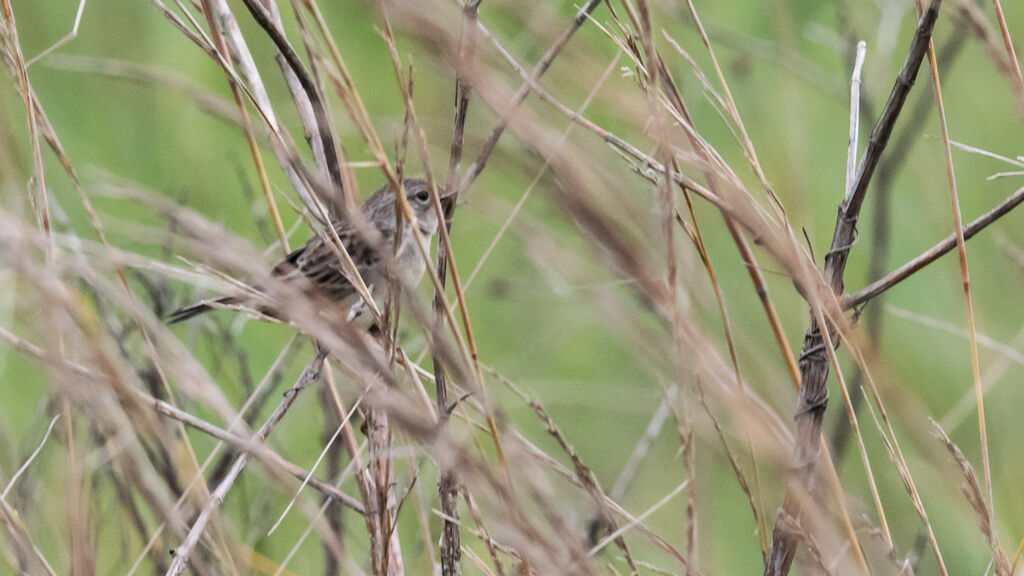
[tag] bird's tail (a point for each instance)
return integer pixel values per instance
(182, 314)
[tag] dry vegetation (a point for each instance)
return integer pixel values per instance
(421, 467)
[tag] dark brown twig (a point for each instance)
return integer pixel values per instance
(881, 219)
(814, 364)
(524, 90)
(447, 485)
(900, 274)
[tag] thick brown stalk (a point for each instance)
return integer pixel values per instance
(364, 482)
(447, 485)
(388, 558)
(814, 366)
(881, 231)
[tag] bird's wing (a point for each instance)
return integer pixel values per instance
(321, 266)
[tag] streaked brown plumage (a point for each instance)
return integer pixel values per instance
(317, 262)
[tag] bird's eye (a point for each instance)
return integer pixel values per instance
(422, 196)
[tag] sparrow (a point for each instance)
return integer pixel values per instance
(316, 265)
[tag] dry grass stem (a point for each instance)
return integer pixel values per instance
(958, 228)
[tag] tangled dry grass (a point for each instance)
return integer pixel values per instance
(156, 445)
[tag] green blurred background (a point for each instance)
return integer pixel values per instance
(537, 322)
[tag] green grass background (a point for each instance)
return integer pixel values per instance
(534, 326)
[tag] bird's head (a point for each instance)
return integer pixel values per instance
(417, 192)
(380, 208)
